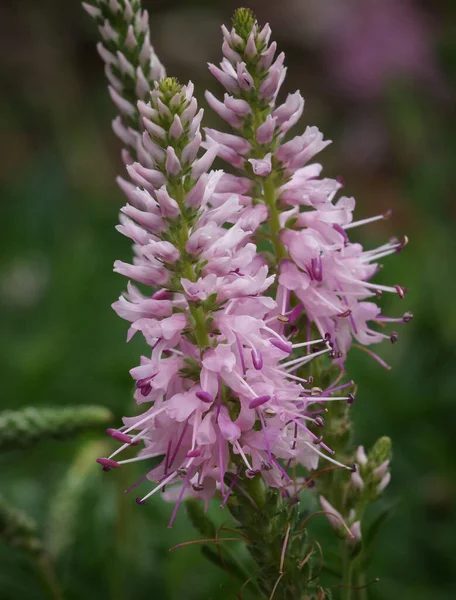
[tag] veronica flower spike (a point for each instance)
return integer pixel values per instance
(216, 367)
(328, 275)
(131, 65)
(241, 391)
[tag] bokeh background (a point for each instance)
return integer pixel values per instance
(379, 79)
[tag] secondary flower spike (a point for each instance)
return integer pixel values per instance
(330, 277)
(131, 64)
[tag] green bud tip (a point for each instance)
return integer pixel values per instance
(381, 451)
(170, 86)
(243, 21)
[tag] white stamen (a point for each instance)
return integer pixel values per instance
(313, 447)
(363, 222)
(245, 384)
(162, 484)
(302, 344)
(302, 360)
(238, 447)
(138, 458)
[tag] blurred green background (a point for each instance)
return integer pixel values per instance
(379, 79)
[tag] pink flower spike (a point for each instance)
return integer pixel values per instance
(259, 401)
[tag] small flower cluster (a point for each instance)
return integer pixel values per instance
(367, 483)
(329, 275)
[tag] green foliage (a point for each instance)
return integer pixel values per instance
(380, 451)
(199, 519)
(26, 427)
(275, 539)
(18, 530)
(66, 504)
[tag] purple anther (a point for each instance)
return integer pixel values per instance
(193, 453)
(402, 244)
(139, 501)
(394, 337)
(317, 268)
(259, 401)
(161, 295)
(144, 385)
(351, 398)
(342, 232)
(205, 397)
(108, 463)
(119, 436)
(257, 359)
(250, 473)
(281, 344)
(407, 317)
(401, 290)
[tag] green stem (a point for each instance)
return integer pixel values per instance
(347, 574)
(197, 311)
(270, 199)
(361, 583)
(48, 577)
(200, 329)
